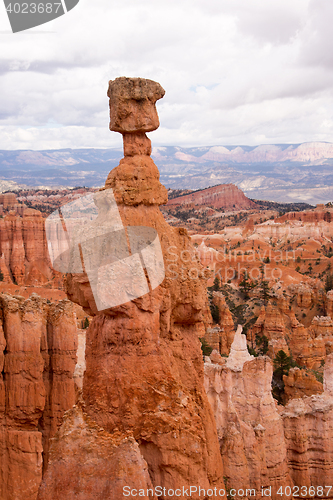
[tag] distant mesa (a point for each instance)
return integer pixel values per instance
(226, 196)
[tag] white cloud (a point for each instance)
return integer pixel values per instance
(234, 72)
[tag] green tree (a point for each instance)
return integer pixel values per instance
(262, 344)
(282, 364)
(329, 282)
(245, 285)
(1, 276)
(264, 285)
(85, 323)
(216, 285)
(205, 347)
(215, 312)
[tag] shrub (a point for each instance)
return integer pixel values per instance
(205, 347)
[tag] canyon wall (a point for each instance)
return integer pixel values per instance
(264, 446)
(249, 426)
(308, 428)
(23, 249)
(38, 344)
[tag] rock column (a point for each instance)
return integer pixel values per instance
(144, 366)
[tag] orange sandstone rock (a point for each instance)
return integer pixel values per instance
(308, 424)
(144, 369)
(299, 383)
(226, 322)
(93, 463)
(32, 398)
(222, 196)
(249, 427)
(23, 249)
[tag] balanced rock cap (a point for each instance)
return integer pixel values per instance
(132, 104)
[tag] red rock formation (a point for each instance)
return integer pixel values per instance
(116, 458)
(29, 387)
(144, 370)
(6, 276)
(60, 356)
(322, 326)
(304, 296)
(226, 196)
(23, 250)
(299, 383)
(285, 333)
(226, 322)
(306, 351)
(249, 427)
(8, 201)
(329, 304)
(308, 424)
(221, 337)
(80, 366)
(271, 323)
(307, 216)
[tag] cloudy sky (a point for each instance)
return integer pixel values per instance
(234, 71)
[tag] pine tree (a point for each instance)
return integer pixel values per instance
(205, 347)
(329, 282)
(85, 323)
(216, 285)
(282, 364)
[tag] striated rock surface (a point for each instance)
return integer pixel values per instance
(306, 351)
(80, 366)
(36, 387)
(23, 250)
(249, 427)
(271, 322)
(308, 427)
(9, 202)
(299, 383)
(60, 356)
(304, 296)
(308, 216)
(93, 463)
(329, 303)
(220, 337)
(222, 196)
(284, 332)
(226, 322)
(144, 370)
